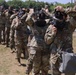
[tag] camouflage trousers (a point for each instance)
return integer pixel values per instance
(7, 35)
(21, 47)
(38, 61)
(2, 33)
(12, 39)
(54, 63)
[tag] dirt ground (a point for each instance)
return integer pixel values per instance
(9, 64)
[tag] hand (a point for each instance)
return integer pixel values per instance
(54, 29)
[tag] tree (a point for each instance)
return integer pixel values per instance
(3, 3)
(15, 3)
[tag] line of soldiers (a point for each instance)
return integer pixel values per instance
(14, 32)
(39, 36)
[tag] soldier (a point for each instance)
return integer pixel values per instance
(59, 37)
(38, 53)
(3, 28)
(2, 24)
(21, 36)
(7, 25)
(12, 30)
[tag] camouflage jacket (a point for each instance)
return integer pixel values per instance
(7, 16)
(38, 36)
(20, 29)
(2, 18)
(61, 39)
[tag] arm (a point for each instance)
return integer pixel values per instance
(15, 24)
(50, 34)
(29, 20)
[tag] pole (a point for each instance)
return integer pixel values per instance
(71, 1)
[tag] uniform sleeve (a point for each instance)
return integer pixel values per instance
(12, 25)
(50, 34)
(29, 20)
(24, 16)
(17, 25)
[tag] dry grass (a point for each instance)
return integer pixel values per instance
(9, 64)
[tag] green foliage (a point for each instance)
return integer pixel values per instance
(15, 3)
(70, 4)
(3, 3)
(32, 3)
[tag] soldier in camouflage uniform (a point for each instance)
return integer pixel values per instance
(8, 25)
(2, 25)
(60, 39)
(12, 30)
(3, 28)
(38, 52)
(21, 36)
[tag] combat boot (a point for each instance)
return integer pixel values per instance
(19, 61)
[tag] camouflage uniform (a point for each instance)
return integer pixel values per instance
(21, 37)
(60, 41)
(2, 27)
(38, 51)
(7, 28)
(12, 32)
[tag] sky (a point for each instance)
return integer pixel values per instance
(60, 1)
